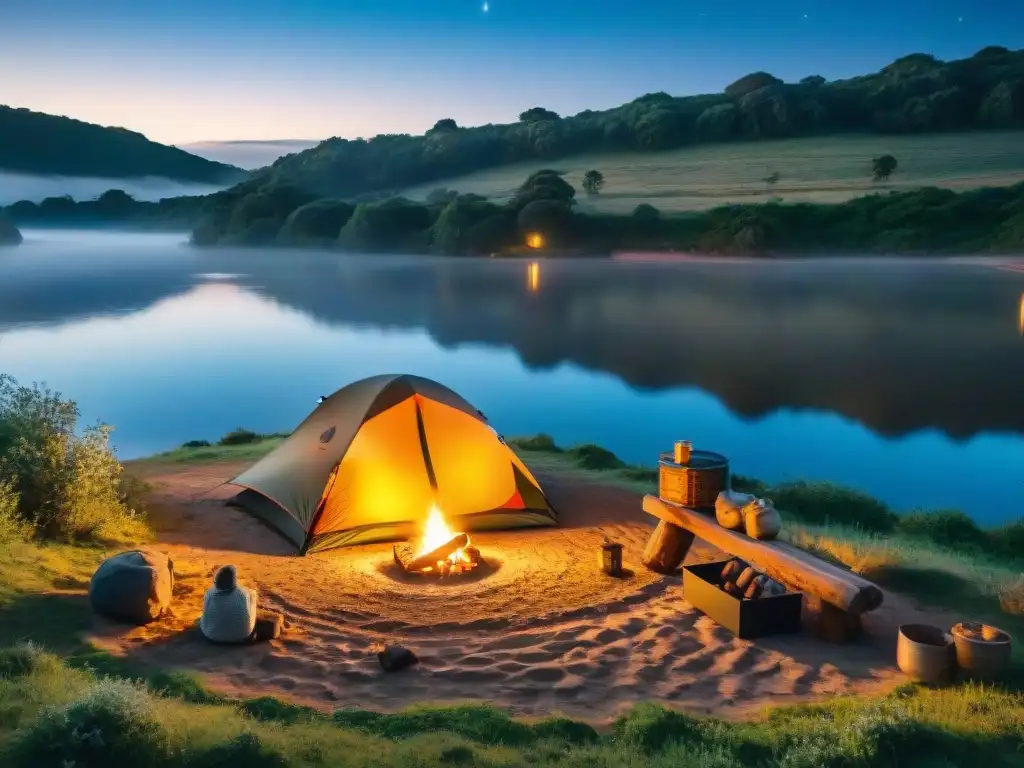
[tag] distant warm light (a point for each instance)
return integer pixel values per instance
(535, 240)
(1020, 319)
(533, 281)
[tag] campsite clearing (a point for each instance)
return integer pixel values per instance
(546, 632)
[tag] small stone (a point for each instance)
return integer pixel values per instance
(395, 658)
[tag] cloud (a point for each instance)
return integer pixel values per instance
(247, 154)
(17, 186)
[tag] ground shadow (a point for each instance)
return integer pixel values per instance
(55, 620)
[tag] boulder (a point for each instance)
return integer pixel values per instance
(395, 658)
(134, 587)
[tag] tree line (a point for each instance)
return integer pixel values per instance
(916, 93)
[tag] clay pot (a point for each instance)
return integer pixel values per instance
(925, 653)
(762, 520)
(982, 651)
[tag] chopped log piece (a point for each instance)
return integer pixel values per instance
(744, 579)
(431, 559)
(733, 569)
(403, 555)
(473, 555)
(793, 567)
(667, 547)
(755, 588)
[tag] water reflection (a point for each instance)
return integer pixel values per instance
(1020, 318)
(898, 348)
(533, 281)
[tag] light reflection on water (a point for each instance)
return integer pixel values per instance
(904, 379)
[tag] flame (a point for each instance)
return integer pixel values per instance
(436, 531)
(1020, 321)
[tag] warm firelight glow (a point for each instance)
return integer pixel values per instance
(436, 533)
(533, 279)
(1020, 320)
(535, 240)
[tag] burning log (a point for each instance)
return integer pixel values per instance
(433, 557)
(453, 558)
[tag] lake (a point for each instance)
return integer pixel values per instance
(902, 378)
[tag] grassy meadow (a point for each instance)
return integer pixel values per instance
(811, 170)
(62, 703)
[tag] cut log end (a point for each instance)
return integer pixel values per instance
(667, 548)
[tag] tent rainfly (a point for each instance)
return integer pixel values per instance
(371, 460)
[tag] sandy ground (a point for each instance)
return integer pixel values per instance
(545, 632)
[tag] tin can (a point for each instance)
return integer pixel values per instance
(682, 452)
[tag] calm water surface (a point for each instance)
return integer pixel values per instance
(905, 379)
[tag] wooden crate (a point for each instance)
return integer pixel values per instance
(695, 484)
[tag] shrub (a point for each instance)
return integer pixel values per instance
(947, 528)
(12, 527)
(24, 659)
(67, 486)
(1008, 540)
(539, 442)
(113, 723)
(821, 503)
(590, 456)
(246, 749)
(240, 436)
(196, 444)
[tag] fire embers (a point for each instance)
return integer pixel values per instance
(453, 558)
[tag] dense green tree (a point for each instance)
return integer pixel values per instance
(755, 81)
(551, 219)
(593, 182)
(883, 167)
(389, 225)
(646, 212)
(316, 223)
(544, 184)
(538, 115)
(445, 124)
(9, 234)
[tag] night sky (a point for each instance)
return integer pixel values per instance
(190, 70)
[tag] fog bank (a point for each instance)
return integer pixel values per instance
(17, 186)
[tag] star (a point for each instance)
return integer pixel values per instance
(486, 7)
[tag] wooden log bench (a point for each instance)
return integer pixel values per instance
(838, 597)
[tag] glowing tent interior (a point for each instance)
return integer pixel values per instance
(372, 460)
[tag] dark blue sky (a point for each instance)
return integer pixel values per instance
(191, 70)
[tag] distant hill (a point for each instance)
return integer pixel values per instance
(915, 94)
(247, 154)
(41, 144)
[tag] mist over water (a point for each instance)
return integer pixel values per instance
(17, 186)
(902, 378)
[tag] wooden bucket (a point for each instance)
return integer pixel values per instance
(695, 484)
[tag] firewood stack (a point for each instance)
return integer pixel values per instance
(453, 558)
(744, 581)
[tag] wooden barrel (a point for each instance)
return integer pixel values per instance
(695, 484)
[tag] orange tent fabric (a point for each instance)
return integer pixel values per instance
(373, 458)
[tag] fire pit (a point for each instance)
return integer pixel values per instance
(440, 552)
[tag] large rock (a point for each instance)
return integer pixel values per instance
(134, 587)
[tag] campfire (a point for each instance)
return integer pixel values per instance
(441, 552)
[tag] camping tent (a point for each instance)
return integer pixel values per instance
(373, 458)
